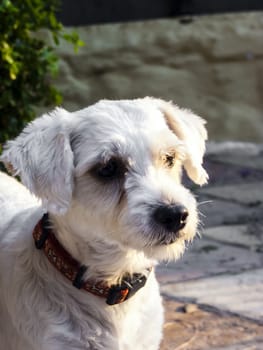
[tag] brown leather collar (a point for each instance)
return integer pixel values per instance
(74, 271)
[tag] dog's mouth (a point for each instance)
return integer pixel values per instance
(167, 238)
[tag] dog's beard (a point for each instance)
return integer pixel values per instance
(164, 245)
(166, 237)
(157, 237)
(155, 242)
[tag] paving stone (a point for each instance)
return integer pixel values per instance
(243, 154)
(255, 344)
(241, 293)
(215, 212)
(249, 194)
(206, 329)
(223, 173)
(208, 258)
(236, 149)
(235, 234)
(254, 162)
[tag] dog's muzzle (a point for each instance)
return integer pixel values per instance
(170, 219)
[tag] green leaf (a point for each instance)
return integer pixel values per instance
(27, 63)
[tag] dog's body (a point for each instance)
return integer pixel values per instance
(110, 178)
(39, 309)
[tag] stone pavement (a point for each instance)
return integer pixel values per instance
(213, 296)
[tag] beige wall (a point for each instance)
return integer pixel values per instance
(213, 65)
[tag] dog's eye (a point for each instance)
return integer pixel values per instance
(169, 160)
(110, 170)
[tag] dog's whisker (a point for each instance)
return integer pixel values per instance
(202, 214)
(204, 202)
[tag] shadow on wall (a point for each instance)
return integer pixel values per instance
(95, 12)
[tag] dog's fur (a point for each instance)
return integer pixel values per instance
(106, 225)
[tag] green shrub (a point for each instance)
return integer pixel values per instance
(27, 63)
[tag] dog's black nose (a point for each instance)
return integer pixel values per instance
(171, 217)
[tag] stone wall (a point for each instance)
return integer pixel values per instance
(211, 64)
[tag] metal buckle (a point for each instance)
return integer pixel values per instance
(129, 286)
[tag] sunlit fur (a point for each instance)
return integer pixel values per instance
(106, 224)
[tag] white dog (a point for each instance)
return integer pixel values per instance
(109, 177)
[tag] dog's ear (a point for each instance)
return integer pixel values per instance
(189, 128)
(41, 155)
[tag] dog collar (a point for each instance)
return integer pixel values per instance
(74, 271)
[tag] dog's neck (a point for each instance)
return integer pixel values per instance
(108, 261)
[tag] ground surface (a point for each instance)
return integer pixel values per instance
(214, 296)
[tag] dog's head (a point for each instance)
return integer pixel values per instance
(114, 170)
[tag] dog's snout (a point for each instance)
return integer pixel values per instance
(172, 217)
